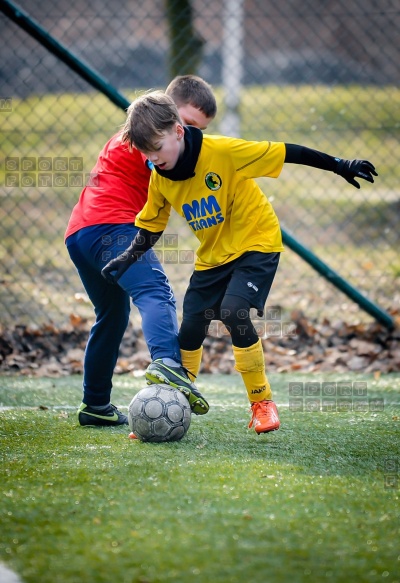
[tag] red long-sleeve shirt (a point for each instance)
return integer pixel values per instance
(117, 189)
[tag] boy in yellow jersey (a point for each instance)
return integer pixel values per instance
(209, 180)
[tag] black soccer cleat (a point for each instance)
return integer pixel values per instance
(177, 377)
(108, 416)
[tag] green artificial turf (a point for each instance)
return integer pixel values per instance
(316, 501)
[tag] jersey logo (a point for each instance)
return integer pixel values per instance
(213, 181)
(203, 213)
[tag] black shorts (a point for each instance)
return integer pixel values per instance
(250, 276)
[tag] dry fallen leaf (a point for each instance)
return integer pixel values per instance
(315, 346)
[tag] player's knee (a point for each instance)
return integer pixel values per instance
(234, 311)
(235, 315)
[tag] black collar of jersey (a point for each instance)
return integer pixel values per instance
(186, 164)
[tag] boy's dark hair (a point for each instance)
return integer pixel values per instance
(149, 116)
(193, 90)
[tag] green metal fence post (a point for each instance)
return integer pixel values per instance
(322, 268)
(30, 26)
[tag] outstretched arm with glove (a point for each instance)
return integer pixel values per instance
(348, 169)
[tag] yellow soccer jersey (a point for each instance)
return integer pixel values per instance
(222, 203)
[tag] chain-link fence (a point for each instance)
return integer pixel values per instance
(325, 75)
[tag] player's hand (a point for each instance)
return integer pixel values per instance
(117, 267)
(351, 169)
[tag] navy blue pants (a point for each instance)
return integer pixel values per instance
(144, 282)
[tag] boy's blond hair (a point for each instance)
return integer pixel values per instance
(149, 116)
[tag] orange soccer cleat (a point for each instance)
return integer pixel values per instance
(264, 417)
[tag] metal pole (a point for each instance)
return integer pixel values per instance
(232, 66)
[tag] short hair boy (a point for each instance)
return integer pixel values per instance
(193, 96)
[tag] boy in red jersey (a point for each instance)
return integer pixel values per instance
(100, 227)
(209, 180)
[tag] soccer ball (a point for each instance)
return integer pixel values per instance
(159, 413)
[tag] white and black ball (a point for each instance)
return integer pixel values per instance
(159, 413)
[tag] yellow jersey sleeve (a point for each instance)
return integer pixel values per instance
(155, 214)
(255, 159)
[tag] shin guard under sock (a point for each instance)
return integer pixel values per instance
(251, 365)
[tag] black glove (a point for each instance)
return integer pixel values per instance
(120, 264)
(351, 169)
(143, 241)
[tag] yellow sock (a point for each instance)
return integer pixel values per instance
(191, 359)
(251, 365)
